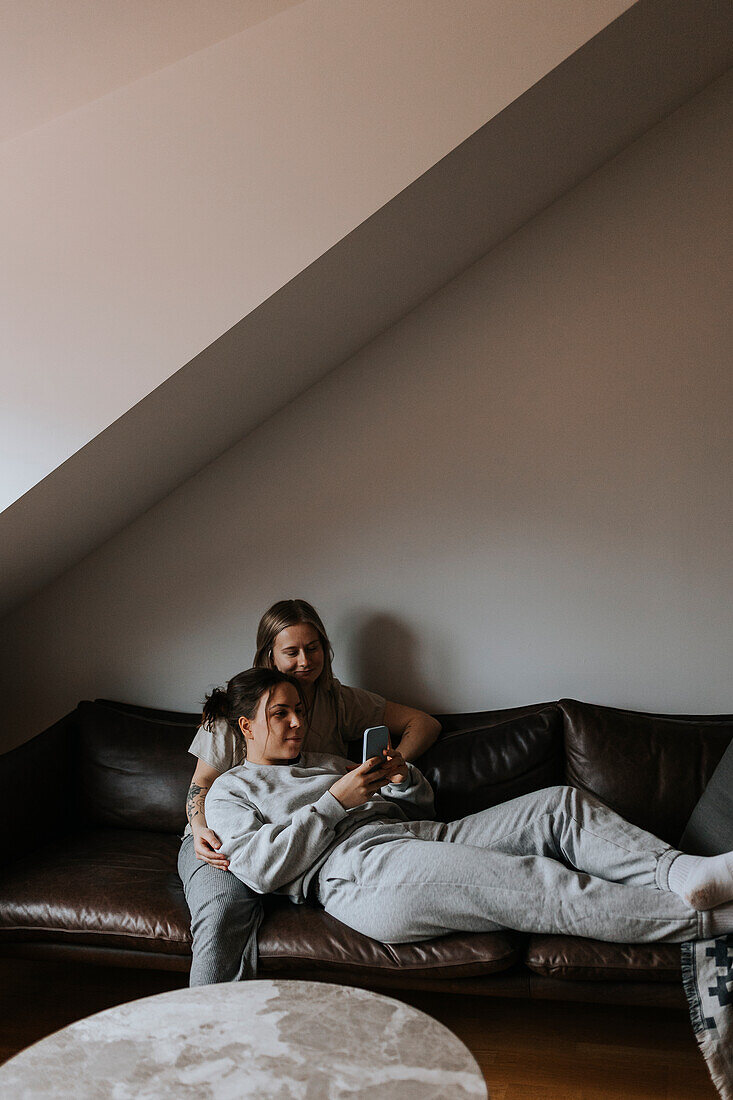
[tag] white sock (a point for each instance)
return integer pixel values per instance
(704, 882)
(720, 920)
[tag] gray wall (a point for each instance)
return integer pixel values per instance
(520, 491)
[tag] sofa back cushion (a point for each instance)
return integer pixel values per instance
(134, 766)
(486, 758)
(650, 768)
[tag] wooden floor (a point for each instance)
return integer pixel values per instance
(545, 1050)
(527, 1050)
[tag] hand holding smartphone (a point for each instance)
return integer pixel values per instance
(376, 740)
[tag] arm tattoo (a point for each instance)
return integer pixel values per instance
(195, 801)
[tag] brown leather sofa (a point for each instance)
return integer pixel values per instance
(97, 801)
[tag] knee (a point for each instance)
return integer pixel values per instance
(223, 904)
(564, 797)
(221, 920)
(573, 801)
(558, 795)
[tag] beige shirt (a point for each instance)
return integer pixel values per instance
(339, 715)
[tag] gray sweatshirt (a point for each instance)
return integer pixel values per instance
(278, 823)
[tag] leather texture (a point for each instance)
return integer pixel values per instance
(479, 766)
(71, 951)
(650, 768)
(176, 717)
(106, 888)
(570, 957)
(294, 936)
(481, 719)
(134, 770)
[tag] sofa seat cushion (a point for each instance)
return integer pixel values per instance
(294, 937)
(581, 960)
(104, 888)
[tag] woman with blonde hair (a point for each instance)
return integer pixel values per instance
(226, 913)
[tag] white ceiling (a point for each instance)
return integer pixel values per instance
(56, 55)
(141, 226)
(591, 106)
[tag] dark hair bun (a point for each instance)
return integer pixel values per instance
(242, 696)
(215, 707)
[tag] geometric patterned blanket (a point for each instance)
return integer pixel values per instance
(707, 975)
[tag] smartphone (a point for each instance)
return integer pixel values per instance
(376, 739)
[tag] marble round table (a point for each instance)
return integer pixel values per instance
(264, 1039)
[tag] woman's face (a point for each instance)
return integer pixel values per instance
(298, 650)
(276, 732)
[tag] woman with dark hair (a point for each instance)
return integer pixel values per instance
(311, 827)
(291, 639)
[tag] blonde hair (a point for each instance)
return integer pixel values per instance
(279, 617)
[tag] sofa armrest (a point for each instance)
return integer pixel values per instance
(38, 785)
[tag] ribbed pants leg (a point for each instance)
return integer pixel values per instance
(412, 889)
(225, 918)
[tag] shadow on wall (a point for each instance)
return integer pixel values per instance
(385, 657)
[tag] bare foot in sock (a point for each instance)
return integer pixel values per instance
(704, 882)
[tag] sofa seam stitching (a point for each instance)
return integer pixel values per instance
(84, 932)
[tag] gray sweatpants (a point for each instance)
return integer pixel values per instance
(554, 861)
(225, 918)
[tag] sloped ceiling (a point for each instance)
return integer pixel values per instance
(543, 141)
(55, 57)
(142, 225)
